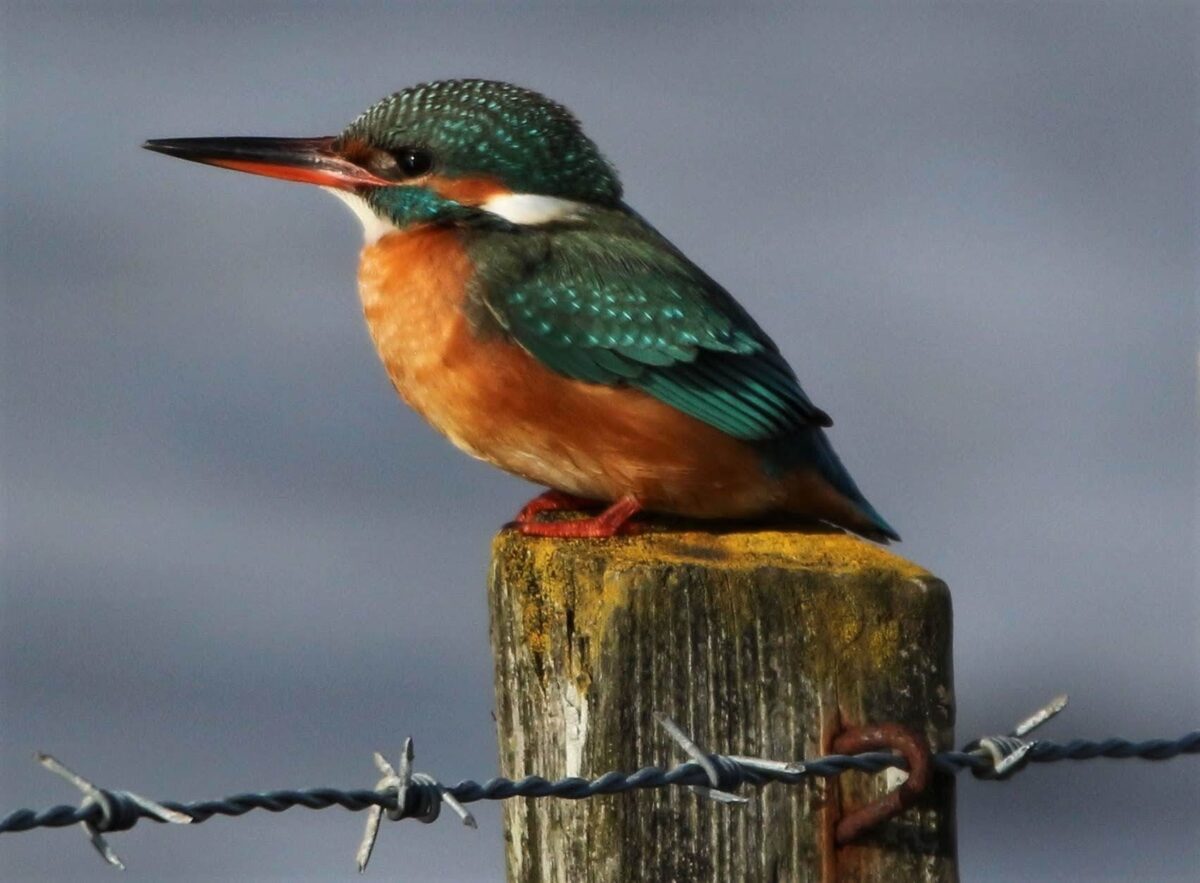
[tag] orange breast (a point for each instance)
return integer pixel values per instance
(498, 403)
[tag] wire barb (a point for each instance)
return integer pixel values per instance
(103, 800)
(1008, 754)
(707, 763)
(411, 789)
(1043, 714)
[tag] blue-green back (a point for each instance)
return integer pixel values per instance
(606, 299)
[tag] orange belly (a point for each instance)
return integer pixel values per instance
(498, 403)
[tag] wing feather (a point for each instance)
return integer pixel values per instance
(613, 302)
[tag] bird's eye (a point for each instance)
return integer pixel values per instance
(412, 162)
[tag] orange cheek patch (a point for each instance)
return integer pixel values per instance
(467, 191)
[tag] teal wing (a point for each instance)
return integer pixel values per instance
(615, 303)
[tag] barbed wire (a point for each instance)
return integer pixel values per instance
(404, 794)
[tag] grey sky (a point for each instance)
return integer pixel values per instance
(233, 561)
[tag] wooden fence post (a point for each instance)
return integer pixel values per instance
(763, 643)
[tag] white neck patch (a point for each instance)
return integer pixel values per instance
(523, 209)
(374, 226)
(532, 209)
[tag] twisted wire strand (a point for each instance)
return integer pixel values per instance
(732, 772)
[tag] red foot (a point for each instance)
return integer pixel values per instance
(612, 522)
(552, 501)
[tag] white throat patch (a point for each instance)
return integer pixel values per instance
(374, 227)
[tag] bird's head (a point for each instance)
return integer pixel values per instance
(446, 151)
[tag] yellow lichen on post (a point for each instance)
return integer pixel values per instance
(763, 643)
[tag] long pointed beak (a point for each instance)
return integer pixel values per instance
(307, 160)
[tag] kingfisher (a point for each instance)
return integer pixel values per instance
(542, 325)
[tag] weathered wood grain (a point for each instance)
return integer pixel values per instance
(761, 643)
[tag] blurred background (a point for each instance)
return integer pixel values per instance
(233, 561)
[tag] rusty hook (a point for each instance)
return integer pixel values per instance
(884, 736)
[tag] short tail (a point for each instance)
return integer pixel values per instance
(810, 448)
